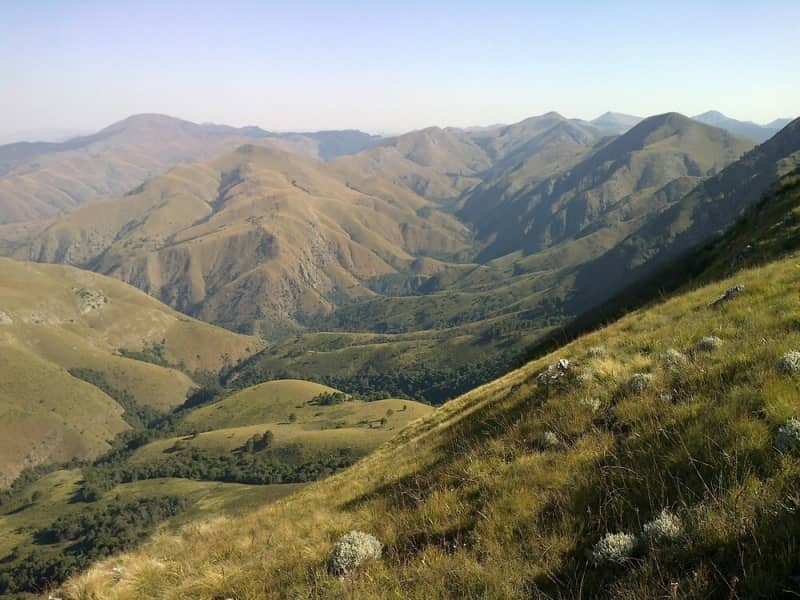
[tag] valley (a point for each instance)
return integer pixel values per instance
(266, 333)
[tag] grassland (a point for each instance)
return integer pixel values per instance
(228, 423)
(471, 502)
(52, 497)
(54, 319)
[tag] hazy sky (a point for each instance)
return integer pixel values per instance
(390, 66)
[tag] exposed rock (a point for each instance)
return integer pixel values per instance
(91, 300)
(554, 372)
(5, 319)
(729, 295)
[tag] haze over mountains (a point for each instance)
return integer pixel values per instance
(41, 179)
(477, 240)
(360, 275)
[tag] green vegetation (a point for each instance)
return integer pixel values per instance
(57, 521)
(654, 457)
(467, 513)
(137, 416)
(85, 536)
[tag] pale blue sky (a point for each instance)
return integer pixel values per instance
(391, 66)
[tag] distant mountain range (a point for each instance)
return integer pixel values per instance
(43, 179)
(746, 129)
(475, 241)
(618, 123)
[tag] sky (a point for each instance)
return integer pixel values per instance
(387, 67)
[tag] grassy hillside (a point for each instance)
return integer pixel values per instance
(705, 213)
(291, 411)
(507, 491)
(58, 322)
(256, 237)
(273, 437)
(51, 498)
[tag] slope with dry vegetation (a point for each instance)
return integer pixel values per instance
(655, 457)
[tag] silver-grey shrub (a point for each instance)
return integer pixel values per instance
(666, 527)
(790, 363)
(640, 382)
(709, 343)
(616, 548)
(788, 437)
(672, 359)
(352, 550)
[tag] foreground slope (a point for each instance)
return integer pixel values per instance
(58, 324)
(39, 179)
(506, 491)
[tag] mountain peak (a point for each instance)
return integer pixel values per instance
(710, 114)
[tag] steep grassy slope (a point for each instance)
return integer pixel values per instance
(257, 235)
(634, 176)
(505, 491)
(56, 319)
(705, 213)
(40, 180)
(51, 499)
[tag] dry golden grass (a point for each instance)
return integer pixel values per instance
(47, 327)
(470, 504)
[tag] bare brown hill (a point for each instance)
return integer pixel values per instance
(39, 180)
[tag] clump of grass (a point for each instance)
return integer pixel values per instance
(666, 527)
(597, 352)
(640, 382)
(351, 551)
(709, 343)
(788, 437)
(789, 363)
(615, 548)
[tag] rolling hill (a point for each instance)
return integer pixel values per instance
(58, 324)
(232, 454)
(228, 423)
(258, 237)
(42, 179)
(656, 456)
